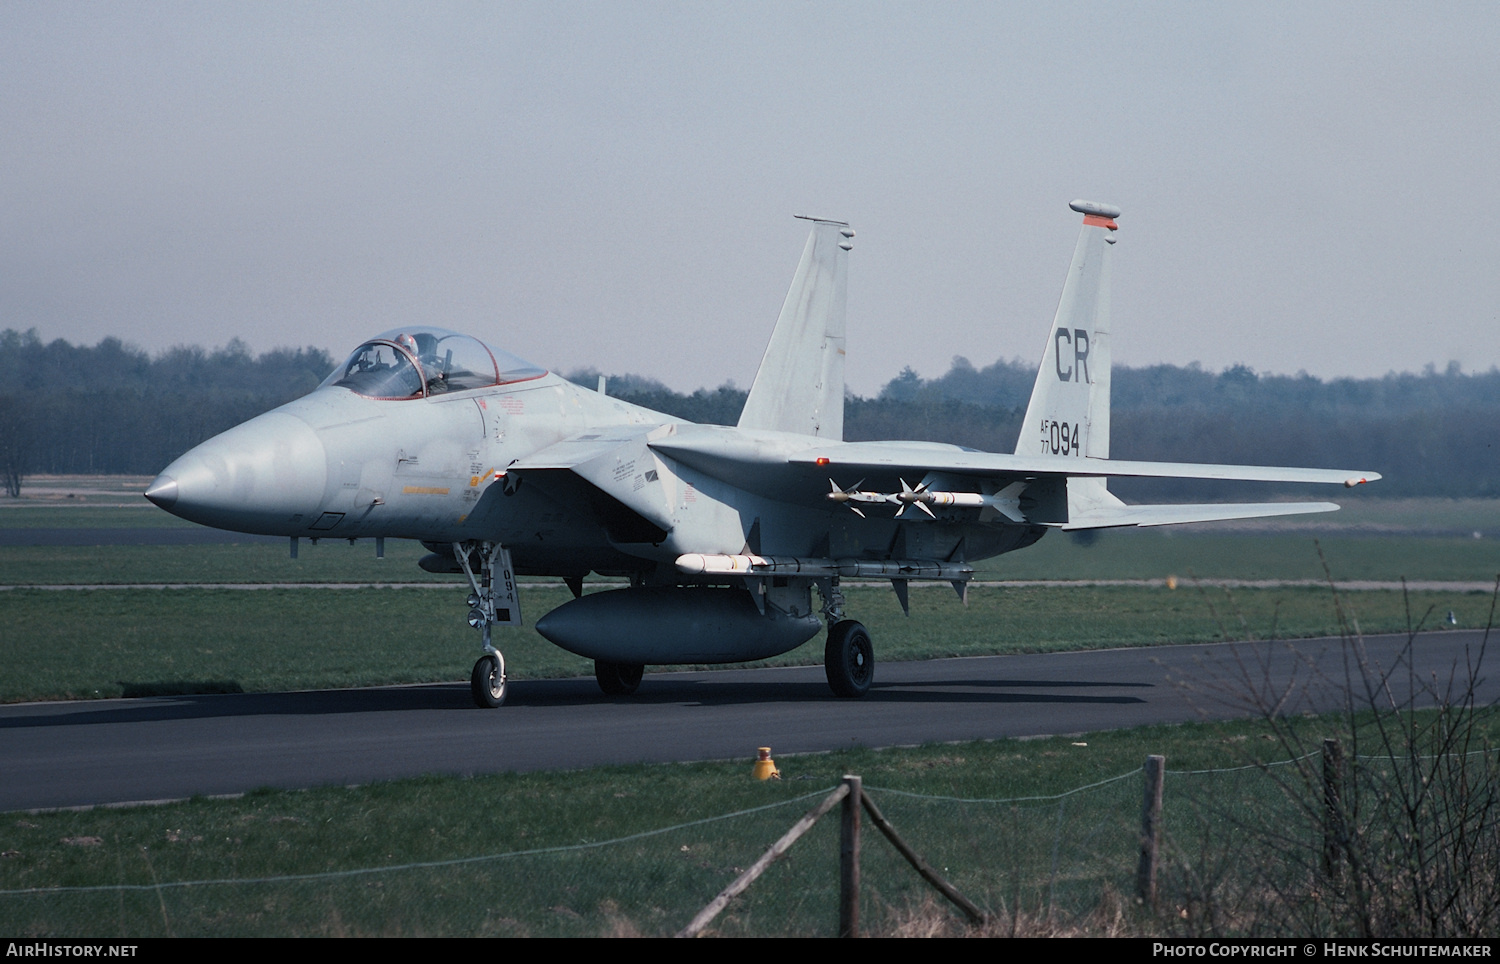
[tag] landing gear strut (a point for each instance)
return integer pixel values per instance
(492, 601)
(848, 656)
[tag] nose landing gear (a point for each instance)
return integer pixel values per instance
(492, 601)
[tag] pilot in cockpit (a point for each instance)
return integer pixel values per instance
(449, 362)
(423, 346)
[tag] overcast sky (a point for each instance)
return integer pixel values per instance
(1304, 186)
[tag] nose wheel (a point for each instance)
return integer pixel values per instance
(487, 682)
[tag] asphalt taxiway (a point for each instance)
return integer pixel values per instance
(113, 751)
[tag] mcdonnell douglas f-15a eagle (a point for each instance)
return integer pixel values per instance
(501, 468)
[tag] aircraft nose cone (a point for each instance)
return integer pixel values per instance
(162, 493)
(265, 476)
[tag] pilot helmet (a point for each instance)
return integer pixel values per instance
(407, 342)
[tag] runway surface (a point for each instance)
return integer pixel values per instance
(72, 754)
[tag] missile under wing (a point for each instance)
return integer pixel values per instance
(718, 537)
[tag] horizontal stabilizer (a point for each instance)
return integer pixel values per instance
(1166, 515)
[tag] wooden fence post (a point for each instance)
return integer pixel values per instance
(1333, 808)
(1145, 875)
(976, 916)
(849, 858)
(737, 887)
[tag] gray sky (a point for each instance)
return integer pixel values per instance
(1304, 186)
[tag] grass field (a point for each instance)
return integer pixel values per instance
(650, 886)
(1116, 555)
(108, 642)
(256, 562)
(20, 515)
(1155, 554)
(1370, 539)
(515, 854)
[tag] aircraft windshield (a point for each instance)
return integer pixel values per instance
(413, 362)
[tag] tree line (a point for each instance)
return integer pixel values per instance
(1434, 433)
(112, 408)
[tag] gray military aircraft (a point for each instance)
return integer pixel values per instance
(501, 468)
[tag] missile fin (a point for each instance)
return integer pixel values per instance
(902, 587)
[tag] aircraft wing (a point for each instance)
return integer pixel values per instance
(614, 461)
(732, 456)
(792, 470)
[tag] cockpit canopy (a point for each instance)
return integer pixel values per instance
(418, 362)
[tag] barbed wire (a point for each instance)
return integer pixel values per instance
(1035, 799)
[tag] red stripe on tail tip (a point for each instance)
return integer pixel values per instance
(1099, 222)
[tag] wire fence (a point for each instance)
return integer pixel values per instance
(1036, 864)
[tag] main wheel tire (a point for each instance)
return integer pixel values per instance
(487, 682)
(849, 659)
(618, 679)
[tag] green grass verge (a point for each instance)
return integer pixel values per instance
(1359, 511)
(1155, 554)
(1137, 554)
(69, 644)
(83, 516)
(1423, 513)
(251, 562)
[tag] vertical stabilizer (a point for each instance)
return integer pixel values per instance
(800, 384)
(1069, 409)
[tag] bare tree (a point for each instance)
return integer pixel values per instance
(1388, 821)
(16, 436)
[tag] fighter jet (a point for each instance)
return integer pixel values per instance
(721, 534)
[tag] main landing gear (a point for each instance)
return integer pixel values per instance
(492, 601)
(848, 655)
(849, 659)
